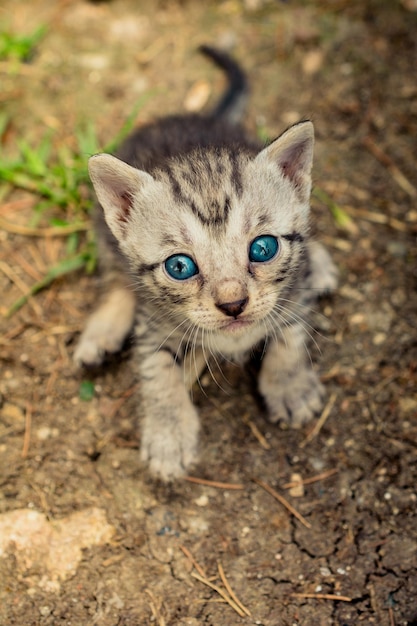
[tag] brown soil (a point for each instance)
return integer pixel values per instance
(350, 66)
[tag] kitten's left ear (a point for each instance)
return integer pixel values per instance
(116, 185)
(293, 153)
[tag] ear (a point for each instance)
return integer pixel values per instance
(116, 184)
(293, 153)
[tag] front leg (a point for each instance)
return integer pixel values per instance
(291, 389)
(170, 422)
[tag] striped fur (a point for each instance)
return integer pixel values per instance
(197, 186)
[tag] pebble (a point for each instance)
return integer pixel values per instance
(357, 318)
(12, 413)
(44, 432)
(298, 490)
(324, 571)
(379, 339)
(45, 610)
(202, 500)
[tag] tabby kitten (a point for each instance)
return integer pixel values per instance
(204, 242)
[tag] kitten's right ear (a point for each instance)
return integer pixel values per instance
(116, 184)
(293, 153)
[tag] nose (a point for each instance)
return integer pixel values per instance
(233, 309)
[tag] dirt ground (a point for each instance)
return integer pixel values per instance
(86, 536)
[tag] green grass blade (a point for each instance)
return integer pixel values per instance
(341, 218)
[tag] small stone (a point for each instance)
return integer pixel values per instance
(44, 611)
(197, 96)
(312, 62)
(45, 432)
(379, 339)
(357, 318)
(12, 414)
(202, 500)
(298, 490)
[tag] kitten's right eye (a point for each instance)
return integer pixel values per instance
(180, 267)
(263, 249)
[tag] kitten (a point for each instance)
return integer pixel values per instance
(203, 237)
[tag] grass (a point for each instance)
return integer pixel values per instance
(340, 216)
(58, 179)
(19, 48)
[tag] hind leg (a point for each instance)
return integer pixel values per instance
(324, 275)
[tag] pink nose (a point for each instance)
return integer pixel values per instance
(233, 309)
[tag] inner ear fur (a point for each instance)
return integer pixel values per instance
(293, 153)
(116, 185)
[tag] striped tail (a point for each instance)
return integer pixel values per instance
(233, 103)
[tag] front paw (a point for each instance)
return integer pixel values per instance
(294, 400)
(169, 446)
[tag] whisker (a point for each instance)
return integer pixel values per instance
(209, 367)
(298, 320)
(213, 354)
(170, 334)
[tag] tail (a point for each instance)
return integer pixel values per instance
(233, 103)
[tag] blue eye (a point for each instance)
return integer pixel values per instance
(180, 267)
(263, 249)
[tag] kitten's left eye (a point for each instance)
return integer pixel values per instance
(263, 248)
(180, 267)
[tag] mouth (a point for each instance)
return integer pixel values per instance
(236, 326)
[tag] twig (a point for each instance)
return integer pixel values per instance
(53, 231)
(28, 427)
(312, 479)
(283, 501)
(230, 590)
(220, 591)
(14, 332)
(378, 218)
(322, 596)
(256, 432)
(321, 421)
(213, 483)
(65, 267)
(20, 284)
(16, 205)
(391, 616)
(393, 169)
(246, 420)
(26, 266)
(156, 611)
(192, 560)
